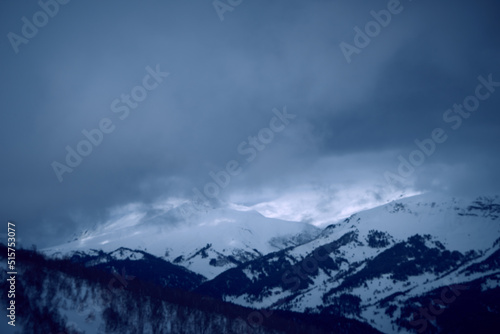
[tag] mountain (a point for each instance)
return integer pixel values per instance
(61, 296)
(382, 266)
(208, 244)
(140, 265)
(423, 263)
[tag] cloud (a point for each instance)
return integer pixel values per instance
(353, 120)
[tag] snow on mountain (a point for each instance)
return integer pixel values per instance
(460, 225)
(209, 244)
(372, 263)
(61, 296)
(379, 266)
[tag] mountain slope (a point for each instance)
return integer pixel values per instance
(60, 296)
(209, 244)
(140, 265)
(369, 266)
(385, 266)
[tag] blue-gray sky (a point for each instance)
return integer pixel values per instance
(353, 118)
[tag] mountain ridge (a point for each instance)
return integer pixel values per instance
(376, 266)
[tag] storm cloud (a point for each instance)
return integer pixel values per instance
(353, 117)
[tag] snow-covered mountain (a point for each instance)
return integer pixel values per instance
(208, 244)
(375, 265)
(414, 264)
(60, 296)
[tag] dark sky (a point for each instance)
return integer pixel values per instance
(352, 119)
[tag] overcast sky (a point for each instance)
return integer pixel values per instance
(354, 106)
